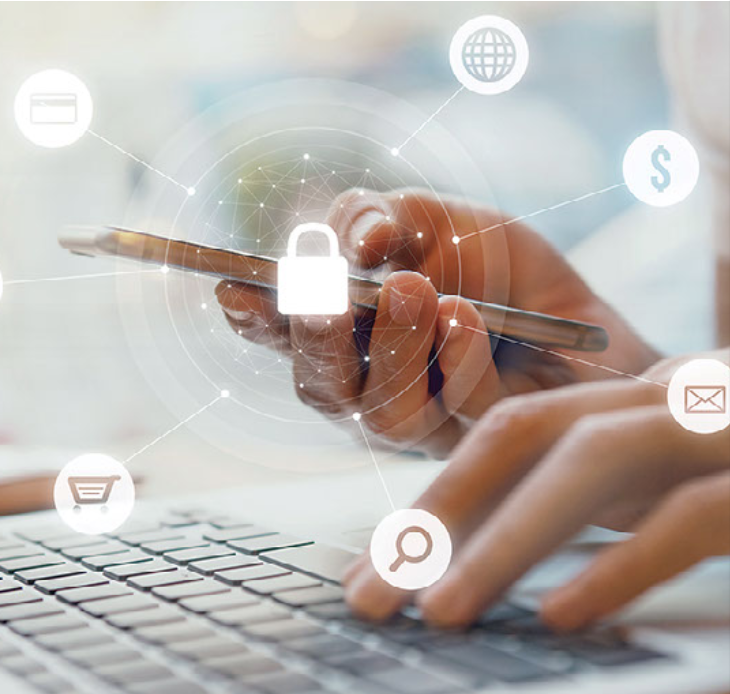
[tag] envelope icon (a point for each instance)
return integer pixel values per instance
(705, 399)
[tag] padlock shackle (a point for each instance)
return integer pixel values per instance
(328, 231)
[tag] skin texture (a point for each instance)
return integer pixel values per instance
(538, 468)
(408, 399)
(539, 445)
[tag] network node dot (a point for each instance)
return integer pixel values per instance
(191, 191)
(453, 322)
(356, 416)
(164, 269)
(203, 306)
(361, 242)
(455, 240)
(419, 235)
(394, 151)
(261, 204)
(225, 393)
(306, 156)
(240, 180)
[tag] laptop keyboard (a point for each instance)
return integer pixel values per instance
(192, 603)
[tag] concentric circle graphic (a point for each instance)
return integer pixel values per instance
(261, 166)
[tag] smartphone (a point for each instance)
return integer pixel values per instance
(523, 326)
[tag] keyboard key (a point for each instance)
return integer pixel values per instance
(17, 597)
(145, 618)
(284, 683)
(236, 577)
(8, 584)
(238, 532)
(332, 611)
(70, 540)
(208, 567)
(132, 672)
(206, 586)
(77, 638)
(101, 561)
(230, 600)
(39, 533)
(50, 683)
(12, 613)
(55, 571)
(17, 552)
(241, 666)
(253, 614)
(122, 572)
(163, 578)
(322, 646)
(184, 556)
(206, 649)
(155, 535)
(490, 661)
(267, 543)
(129, 603)
(283, 630)
(47, 625)
(408, 680)
(109, 547)
(76, 596)
(172, 686)
(319, 560)
(33, 562)
(105, 654)
(268, 586)
(53, 585)
(175, 632)
(162, 546)
(363, 662)
(319, 595)
(22, 665)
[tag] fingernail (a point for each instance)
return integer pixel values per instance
(404, 303)
(240, 316)
(366, 221)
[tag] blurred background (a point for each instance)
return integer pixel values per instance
(79, 365)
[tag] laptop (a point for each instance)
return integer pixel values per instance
(238, 591)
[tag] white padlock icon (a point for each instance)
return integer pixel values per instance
(312, 285)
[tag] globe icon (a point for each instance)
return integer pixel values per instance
(489, 54)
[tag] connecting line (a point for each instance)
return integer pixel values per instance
(173, 429)
(188, 189)
(79, 277)
(396, 150)
(375, 462)
(577, 360)
(521, 218)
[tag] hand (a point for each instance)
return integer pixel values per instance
(393, 385)
(539, 467)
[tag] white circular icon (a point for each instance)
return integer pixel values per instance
(53, 108)
(697, 395)
(410, 549)
(661, 168)
(94, 494)
(489, 55)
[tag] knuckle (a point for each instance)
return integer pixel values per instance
(514, 416)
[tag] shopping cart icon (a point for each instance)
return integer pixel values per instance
(88, 491)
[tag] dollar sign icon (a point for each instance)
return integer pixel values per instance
(661, 183)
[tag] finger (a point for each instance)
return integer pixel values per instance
(327, 368)
(251, 311)
(591, 467)
(395, 396)
(692, 524)
(471, 381)
(490, 460)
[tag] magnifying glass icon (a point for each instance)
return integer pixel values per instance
(403, 556)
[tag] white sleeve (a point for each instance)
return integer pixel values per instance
(695, 39)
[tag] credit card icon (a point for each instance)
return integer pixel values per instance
(53, 109)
